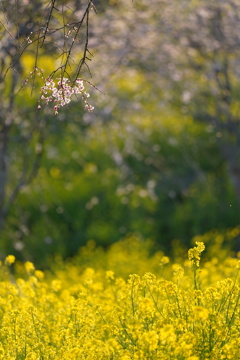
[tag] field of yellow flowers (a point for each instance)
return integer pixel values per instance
(127, 303)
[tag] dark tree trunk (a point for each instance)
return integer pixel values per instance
(234, 170)
(3, 169)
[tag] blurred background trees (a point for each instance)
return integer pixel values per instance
(160, 154)
(189, 52)
(38, 45)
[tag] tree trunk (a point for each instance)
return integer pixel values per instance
(3, 169)
(234, 170)
(231, 152)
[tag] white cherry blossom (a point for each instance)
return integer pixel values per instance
(61, 93)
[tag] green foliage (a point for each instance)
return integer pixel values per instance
(149, 174)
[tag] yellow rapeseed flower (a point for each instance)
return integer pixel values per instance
(74, 313)
(10, 259)
(29, 267)
(39, 274)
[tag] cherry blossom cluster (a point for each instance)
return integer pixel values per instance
(61, 93)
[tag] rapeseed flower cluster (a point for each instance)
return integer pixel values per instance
(84, 309)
